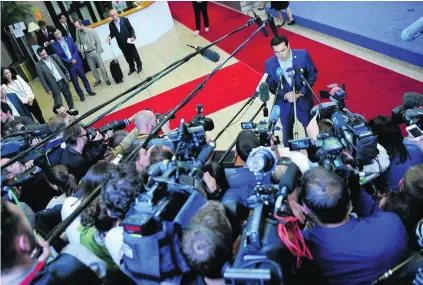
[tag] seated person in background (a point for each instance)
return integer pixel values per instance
(62, 180)
(95, 176)
(8, 121)
(349, 250)
(75, 264)
(403, 154)
(207, 243)
(408, 202)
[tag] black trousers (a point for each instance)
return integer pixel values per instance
(131, 55)
(36, 111)
(200, 8)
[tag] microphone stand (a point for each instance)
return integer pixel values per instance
(311, 90)
(151, 80)
(87, 201)
(295, 109)
(276, 94)
(228, 150)
(249, 102)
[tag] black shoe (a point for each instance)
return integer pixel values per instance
(260, 8)
(291, 23)
(82, 98)
(92, 93)
(139, 69)
(131, 71)
(96, 83)
(278, 26)
(108, 82)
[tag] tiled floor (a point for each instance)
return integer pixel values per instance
(172, 46)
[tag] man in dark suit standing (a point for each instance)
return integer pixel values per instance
(67, 28)
(121, 29)
(45, 36)
(54, 77)
(67, 51)
(289, 59)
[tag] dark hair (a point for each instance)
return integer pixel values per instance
(207, 243)
(120, 189)
(57, 106)
(9, 230)
(117, 138)
(60, 15)
(3, 80)
(94, 214)
(389, 136)
(71, 135)
(326, 194)
(278, 40)
(41, 23)
(245, 143)
(61, 175)
(57, 122)
(40, 50)
(159, 153)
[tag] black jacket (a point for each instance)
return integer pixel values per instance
(41, 38)
(126, 32)
(71, 28)
(76, 161)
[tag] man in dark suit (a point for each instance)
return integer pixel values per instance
(45, 36)
(121, 29)
(67, 51)
(67, 28)
(54, 77)
(288, 59)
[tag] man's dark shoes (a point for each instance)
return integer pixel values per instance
(281, 24)
(291, 23)
(131, 71)
(139, 69)
(82, 98)
(96, 83)
(92, 93)
(108, 82)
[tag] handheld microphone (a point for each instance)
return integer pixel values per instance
(207, 53)
(202, 158)
(413, 31)
(274, 117)
(259, 23)
(181, 130)
(272, 25)
(412, 100)
(263, 80)
(264, 96)
(291, 72)
(279, 73)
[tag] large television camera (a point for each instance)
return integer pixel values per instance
(190, 138)
(153, 227)
(265, 130)
(411, 111)
(262, 257)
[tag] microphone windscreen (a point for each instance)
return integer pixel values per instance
(205, 153)
(412, 100)
(275, 114)
(413, 31)
(211, 55)
(289, 178)
(291, 72)
(279, 72)
(264, 92)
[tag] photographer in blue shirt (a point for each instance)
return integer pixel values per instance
(403, 153)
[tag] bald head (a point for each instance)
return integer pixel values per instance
(114, 15)
(145, 121)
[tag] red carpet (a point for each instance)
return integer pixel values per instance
(227, 87)
(371, 89)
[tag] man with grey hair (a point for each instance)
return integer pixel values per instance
(90, 47)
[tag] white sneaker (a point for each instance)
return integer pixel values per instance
(197, 32)
(207, 29)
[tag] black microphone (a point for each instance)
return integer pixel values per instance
(207, 53)
(114, 126)
(412, 100)
(181, 130)
(290, 72)
(264, 96)
(202, 158)
(259, 23)
(272, 25)
(274, 117)
(286, 185)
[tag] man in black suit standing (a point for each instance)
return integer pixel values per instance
(67, 28)
(45, 36)
(121, 29)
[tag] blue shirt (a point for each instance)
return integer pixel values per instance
(362, 249)
(396, 171)
(65, 48)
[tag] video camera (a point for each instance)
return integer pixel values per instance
(262, 257)
(411, 111)
(173, 196)
(190, 138)
(265, 130)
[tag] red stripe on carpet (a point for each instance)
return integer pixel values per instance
(227, 87)
(372, 89)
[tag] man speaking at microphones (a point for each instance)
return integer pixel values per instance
(290, 62)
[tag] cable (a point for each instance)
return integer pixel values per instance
(241, 115)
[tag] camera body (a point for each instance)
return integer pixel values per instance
(409, 116)
(262, 131)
